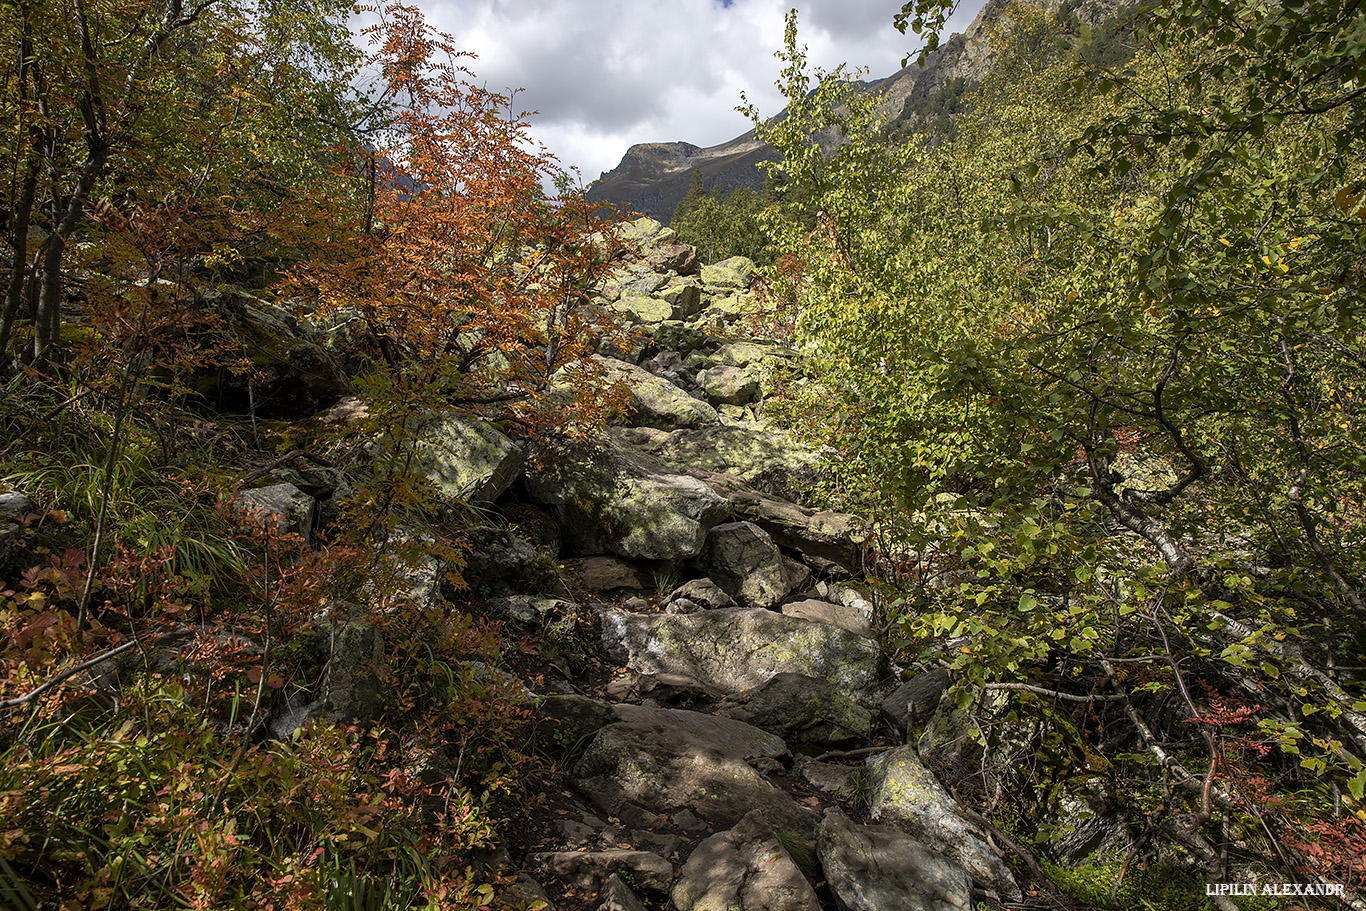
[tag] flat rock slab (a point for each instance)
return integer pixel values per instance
(747, 868)
(737, 649)
(735, 738)
(666, 769)
(903, 791)
(879, 868)
(848, 618)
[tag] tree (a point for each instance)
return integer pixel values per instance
(152, 125)
(1117, 397)
(471, 278)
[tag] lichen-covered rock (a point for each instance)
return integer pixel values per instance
(767, 461)
(684, 295)
(466, 459)
(656, 402)
(598, 574)
(734, 274)
(673, 335)
(828, 540)
(800, 708)
(610, 499)
(878, 868)
(742, 559)
(665, 769)
(737, 649)
(903, 791)
(746, 867)
(726, 385)
(646, 309)
(281, 508)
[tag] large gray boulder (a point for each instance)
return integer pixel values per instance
(466, 459)
(610, 499)
(737, 649)
(801, 708)
(663, 768)
(742, 559)
(903, 791)
(878, 868)
(746, 867)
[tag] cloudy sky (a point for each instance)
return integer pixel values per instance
(605, 74)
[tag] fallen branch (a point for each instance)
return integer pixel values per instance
(285, 460)
(1054, 694)
(66, 675)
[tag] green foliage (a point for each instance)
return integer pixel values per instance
(720, 224)
(1113, 398)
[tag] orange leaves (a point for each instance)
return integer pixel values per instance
(471, 275)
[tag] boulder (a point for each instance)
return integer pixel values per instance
(684, 295)
(915, 700)
(610, 499)
(840, 781)
(847, 618)
(588, 870)
(878, 868)
(646, 309)
(665, 769)
(466, 460)
(14, 506)
(531, 609)
(903, 791)
(673, 335)
(737, 649)
(292, 375)
(500, 561)
(527, 893)
(281, 508)
(617, 896)
(829, 541)
(679, 258)
(702, 594)
(660, 689)
(734, 738)
(726, 385)
(734, 274)
(656, 402)
(742, 559)
(801, 708)
(766, 461)
(599, 574)
(568, 719)
(644, 232)
(746, 867)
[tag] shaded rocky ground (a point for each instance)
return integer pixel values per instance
(730, 731)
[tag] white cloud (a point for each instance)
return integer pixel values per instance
(605, 74)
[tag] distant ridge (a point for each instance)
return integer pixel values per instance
(653, 177)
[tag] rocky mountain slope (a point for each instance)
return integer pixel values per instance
(730, 730)
(653, 177)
